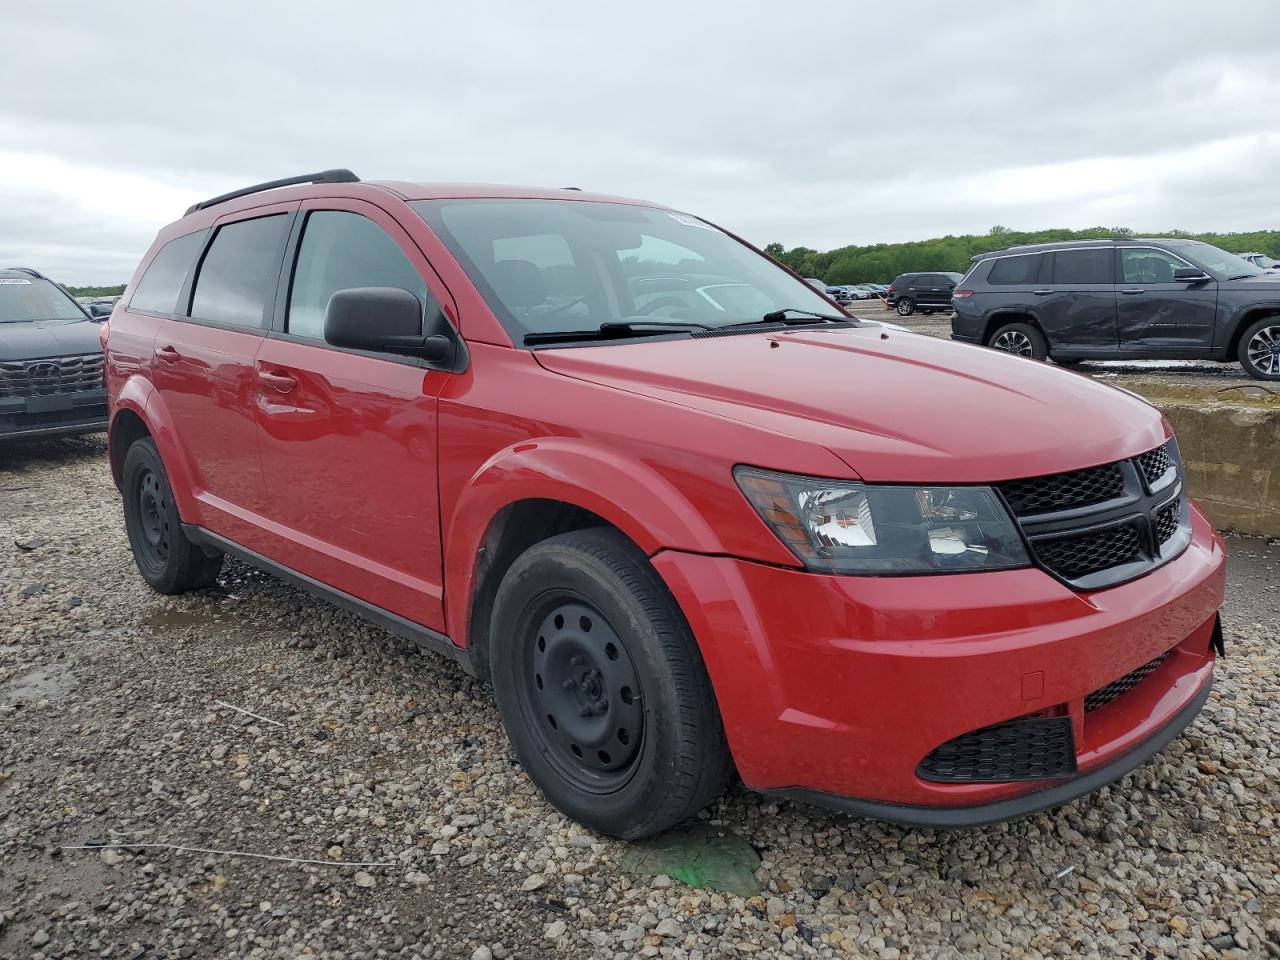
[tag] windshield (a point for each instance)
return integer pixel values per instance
(1223, 265)
(546, 266)
(25, 299)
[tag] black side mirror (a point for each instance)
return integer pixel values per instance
(1190, 275)
(388, 320)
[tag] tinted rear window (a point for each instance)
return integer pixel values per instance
(1083, 266)
(238, 274)
(1022, 269)
(157, 291)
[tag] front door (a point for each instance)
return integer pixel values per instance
(204, 374)
(1077, 306)
(348, 438)
(1158, 314)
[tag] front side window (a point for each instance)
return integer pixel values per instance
(1143, 265)
(1082, 266)
(157, 291)
(237, 277)
(546, 266)
(341, 250)
(33, 298)
(1223, 265)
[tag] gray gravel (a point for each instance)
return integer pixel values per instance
(110, 732)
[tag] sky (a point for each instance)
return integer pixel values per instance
(815, 124)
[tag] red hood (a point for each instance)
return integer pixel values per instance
(894, 406)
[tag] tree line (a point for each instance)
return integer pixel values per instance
(113, 291)
(881, 262)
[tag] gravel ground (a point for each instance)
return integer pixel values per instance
(110, 731)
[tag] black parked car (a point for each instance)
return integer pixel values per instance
(926, 292)
(50, 360)
(1123, 299)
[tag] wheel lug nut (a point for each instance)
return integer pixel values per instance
(568, 685)
(576, 661)
(585, 712)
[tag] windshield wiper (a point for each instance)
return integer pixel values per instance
(780, 316)
(614, 330)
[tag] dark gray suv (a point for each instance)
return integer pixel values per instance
(50, 360)
(1122, 299)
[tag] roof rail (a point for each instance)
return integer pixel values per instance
(28, 271)
(339, 175)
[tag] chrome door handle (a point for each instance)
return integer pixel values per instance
(279, 381)
(1042, 293)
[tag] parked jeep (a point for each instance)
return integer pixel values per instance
(50, 360)
(1123, 299)
(926, 292)
(680, 533)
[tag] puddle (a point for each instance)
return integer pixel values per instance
(174, 619)
(43, 683)
(699, 856)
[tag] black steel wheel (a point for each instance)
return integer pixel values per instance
(165, 557)
(602, 687)
(586, 695)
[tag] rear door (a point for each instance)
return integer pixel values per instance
(1158, 314)
(203, 368)
(933, 290)
(1077, 307)
(348, 438)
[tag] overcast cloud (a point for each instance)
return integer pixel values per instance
(805, 123)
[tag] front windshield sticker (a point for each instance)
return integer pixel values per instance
(689, 221)
(7, 280)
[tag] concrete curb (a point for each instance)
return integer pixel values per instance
(1230, 441)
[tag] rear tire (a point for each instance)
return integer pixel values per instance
(1259, 350)
(165, 557)
(905, 306)
(602, 688)
(1020, 339)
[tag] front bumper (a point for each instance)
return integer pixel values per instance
(53, 415)
(835, 688)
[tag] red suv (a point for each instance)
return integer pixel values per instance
(684, 513)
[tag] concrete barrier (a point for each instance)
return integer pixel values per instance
(1230, 441)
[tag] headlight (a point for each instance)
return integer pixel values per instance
(842, 527)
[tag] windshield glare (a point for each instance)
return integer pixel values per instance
(546, 266)
(1218, 262)
(30, 298)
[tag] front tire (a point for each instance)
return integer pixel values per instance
(602, 688)
(165, 557)
(1020, 339)
(1259, 350)
(905, 306)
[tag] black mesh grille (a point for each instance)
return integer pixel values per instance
(1083, 554)
(31, 378)
(1062, 491)
(1167, 520)
(1041, 748)
(1117, 688)
(1154, 464)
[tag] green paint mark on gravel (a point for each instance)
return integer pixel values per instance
(699, 856)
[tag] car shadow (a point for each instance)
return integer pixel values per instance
(36, 452)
